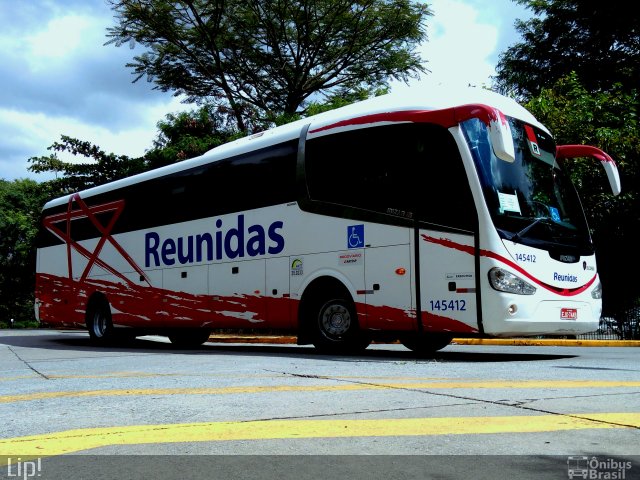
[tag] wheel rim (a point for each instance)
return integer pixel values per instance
(99, 324)
(335, 320)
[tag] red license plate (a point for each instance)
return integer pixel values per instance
(569, 313)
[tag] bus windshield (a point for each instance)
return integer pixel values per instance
(531, 200)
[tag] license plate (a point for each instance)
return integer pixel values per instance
(568, 313)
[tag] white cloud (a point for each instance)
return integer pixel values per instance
(459, 46)
(32, 133)
(60, 38)
(461, 52)
(58, 78)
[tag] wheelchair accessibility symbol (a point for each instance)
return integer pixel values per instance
(355, 236)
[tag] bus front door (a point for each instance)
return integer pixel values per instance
(447, 282)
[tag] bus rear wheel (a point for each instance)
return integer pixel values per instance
(99, 322)
(427, 343)
(335, 327)
(189, 338)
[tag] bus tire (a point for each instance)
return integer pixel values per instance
(189, 338)
(426, 344)
(335, 326)
(98, 321)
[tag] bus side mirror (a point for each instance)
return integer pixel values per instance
(501, 138)
(575, 151)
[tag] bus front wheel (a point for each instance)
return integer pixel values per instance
(189, 338)
(426, 343)
(335, 327)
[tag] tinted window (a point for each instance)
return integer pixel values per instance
(253, 180)
(401, 170)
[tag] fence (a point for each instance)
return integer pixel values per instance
(625, 328)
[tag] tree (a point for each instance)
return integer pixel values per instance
(608, 120)
(261, 59)
(188, 134)
(600, 41)
(74, 176)
(578, 68)
(20, 204)
(331, 102)
(180, 136)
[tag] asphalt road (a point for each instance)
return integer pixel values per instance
(149, 410)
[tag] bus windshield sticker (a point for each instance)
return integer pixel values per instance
(555, 214)
(533, 143)
(355, 236)
(509, 202)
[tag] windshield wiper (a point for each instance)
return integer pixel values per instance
(518, 236)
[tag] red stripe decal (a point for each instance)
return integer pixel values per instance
(486, 253)
(447, 117)
(572, 151)
(84, 211)
(530, 134)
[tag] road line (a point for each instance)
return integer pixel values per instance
(71, 441)
(535, 384)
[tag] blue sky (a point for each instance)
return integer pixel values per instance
(57, 77)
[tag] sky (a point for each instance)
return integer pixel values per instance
(58, 78)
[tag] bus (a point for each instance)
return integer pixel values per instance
(411, 218)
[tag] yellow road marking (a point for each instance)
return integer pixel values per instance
(20, 377)
(145, 375)
(320, 388)
(71, 441)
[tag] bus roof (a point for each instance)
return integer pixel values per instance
(426, 99)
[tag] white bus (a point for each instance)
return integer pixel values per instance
(414, 218)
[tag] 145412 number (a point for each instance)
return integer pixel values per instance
(444, 305)
(525, 257)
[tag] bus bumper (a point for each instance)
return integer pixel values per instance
(551, 317)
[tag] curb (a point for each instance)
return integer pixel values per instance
(546, 342)
(274, 339)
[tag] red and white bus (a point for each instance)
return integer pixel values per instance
(416, 218)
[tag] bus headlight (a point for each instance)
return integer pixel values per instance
(504, 281)
(597, 292)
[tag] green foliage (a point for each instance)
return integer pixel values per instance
(344, 98)
(72, 176)
(261, 59)
(609, 120)
(600, 41)
(20, 205)
(578, 67)
(20, 324)
(333, 101)
(188, 134)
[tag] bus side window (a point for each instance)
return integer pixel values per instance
(368, 168)
(252, 180)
